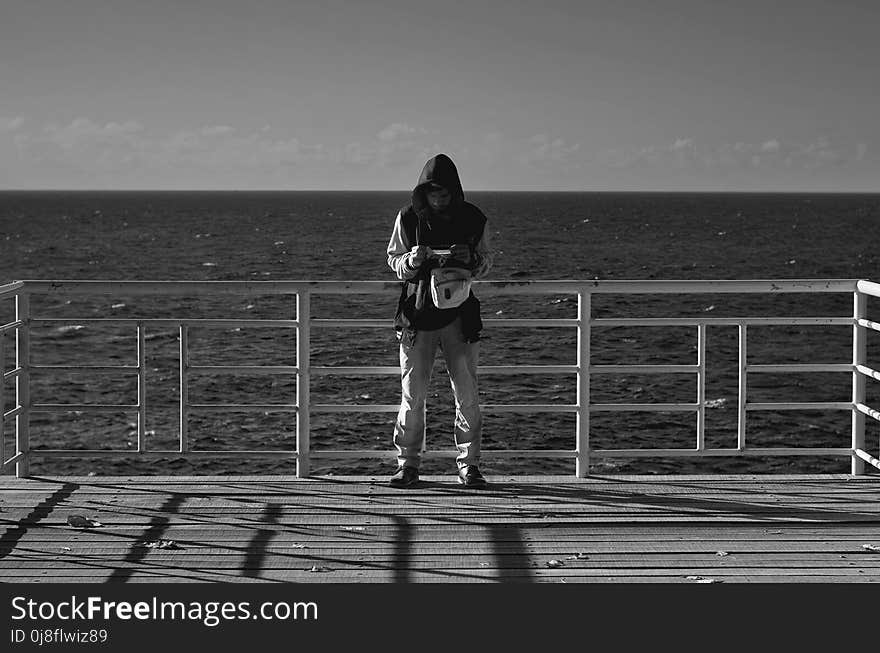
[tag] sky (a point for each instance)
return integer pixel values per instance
(641, 95)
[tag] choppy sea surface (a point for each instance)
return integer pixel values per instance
(270, 236)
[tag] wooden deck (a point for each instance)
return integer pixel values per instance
(632, 529)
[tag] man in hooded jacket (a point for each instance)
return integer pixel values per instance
(438, 219)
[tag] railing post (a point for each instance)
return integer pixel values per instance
(184, 388)
(425, 425)
(742, 392)
(303, 337)
(22, 382)
(860, 311)
(701, 387)
(2, 400)
(582, 428)
(141, 389)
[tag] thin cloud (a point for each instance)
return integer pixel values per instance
(11, 124)
(358, 154)
(397, 146)
(81, 145)
(772, 153)
(102, 152)
(217, 130)
(542, 150)
(85, 130)
(629, 157)
(397, 130)
(682, 144)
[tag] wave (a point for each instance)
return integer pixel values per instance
(69, 329)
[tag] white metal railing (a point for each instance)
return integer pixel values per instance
(581, 451)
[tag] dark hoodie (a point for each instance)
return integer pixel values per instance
(464, 224)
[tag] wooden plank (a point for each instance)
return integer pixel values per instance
(439, 561)
(567, 547)
(455, 494)
(450, 489)
(329, 574)
(600, 505)
(609, 515)
(548, 527)
(342, 482)
(272, 546)
(222, 508)
(422, 577)
(444, 537)
(452, 492)
(335, 480)
(430, 578)
(487, 560)
(471, 499)
(242, 564)
(487, 521)
(427, 532)
(363, 535)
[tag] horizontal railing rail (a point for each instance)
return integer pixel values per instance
(581, 451)
(535, 287)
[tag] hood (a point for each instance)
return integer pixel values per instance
(438, 170)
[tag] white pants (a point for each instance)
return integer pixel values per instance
(416, 363)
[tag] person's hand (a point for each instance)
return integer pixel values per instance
(461, 253)
(418, 254)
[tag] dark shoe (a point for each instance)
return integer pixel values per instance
(470, 476)
(404, 477)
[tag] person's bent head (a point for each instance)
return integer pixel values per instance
(438, 197)
(439, 189)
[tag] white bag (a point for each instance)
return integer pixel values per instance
(450, 287)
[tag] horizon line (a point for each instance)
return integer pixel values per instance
(409, 190)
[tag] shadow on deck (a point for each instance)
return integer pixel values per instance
(632, 529)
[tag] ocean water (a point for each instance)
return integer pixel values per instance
(342, 235)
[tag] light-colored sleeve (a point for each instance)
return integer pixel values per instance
(485, 254)
(399, 256)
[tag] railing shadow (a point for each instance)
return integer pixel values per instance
(512, 561)
(12, 536)
(591, 493)
(403, 544)
(509, 549)
(259, 543)
(158, 525)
